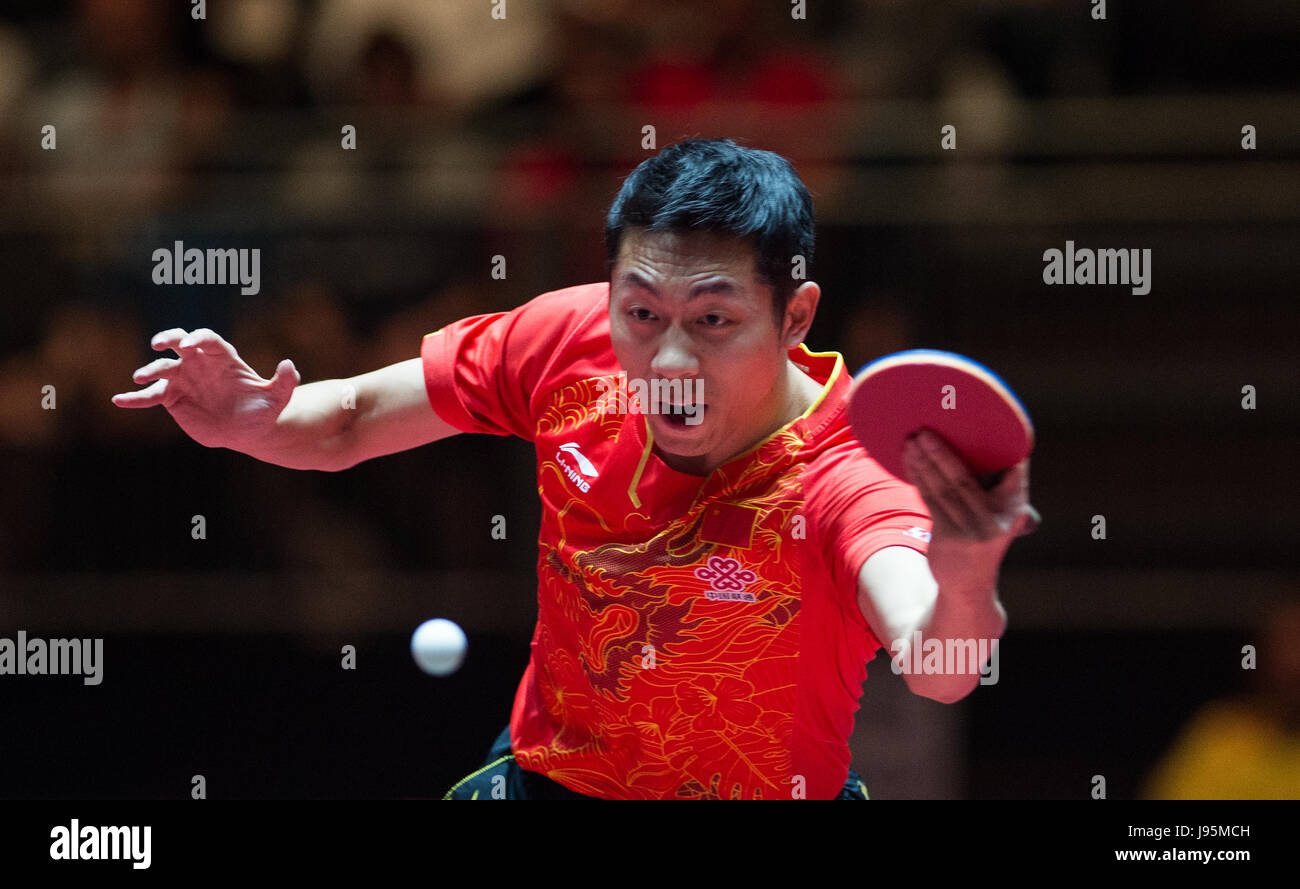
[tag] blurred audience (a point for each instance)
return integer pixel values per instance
(1247, 747)
(475, 136)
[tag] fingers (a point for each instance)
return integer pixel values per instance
(160, 372)
(162, 369)
(168, 339)
(1011, 501)
(286, 377)
(207, 341)
(948, 486)
(1014, 485)
(146, 397)
(156, 373)
(179, 340)
(1007, 500)
(959, 507)
(1032, 521)
(957, 501)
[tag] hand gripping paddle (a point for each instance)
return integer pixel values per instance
(963, 401)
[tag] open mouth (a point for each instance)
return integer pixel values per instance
(683, 415)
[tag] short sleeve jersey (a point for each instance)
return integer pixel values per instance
(697, 636)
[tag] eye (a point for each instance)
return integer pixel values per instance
(715, 320)
(640, 314)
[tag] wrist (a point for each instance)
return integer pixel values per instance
(965, 568)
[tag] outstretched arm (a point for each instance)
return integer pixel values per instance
(949, 595)
(219, 401)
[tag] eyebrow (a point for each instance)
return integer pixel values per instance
(714, 288)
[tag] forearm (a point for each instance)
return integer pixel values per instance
(312, 430)
(965, 611)
(944, 603)
(966, 619)
(335, 424)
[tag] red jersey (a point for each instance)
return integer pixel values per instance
(697, 637)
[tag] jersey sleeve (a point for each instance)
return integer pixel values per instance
(857, 509)
(489, 373)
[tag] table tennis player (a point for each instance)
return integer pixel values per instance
(716, 569)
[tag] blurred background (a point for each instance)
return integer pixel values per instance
(478, 137)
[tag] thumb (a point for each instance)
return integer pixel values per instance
(285, 379)
(1032, 520)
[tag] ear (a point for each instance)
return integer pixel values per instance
(799, 313)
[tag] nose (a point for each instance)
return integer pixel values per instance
(674, 357)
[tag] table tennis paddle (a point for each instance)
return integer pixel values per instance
(961, 400)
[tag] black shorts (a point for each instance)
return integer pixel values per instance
(501, 778)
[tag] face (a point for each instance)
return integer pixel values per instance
(691, 308)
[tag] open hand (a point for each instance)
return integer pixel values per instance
(210, 391)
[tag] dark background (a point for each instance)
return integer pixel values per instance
(479, 138)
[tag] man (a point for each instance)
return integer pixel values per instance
(719, 558)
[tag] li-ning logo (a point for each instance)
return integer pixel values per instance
(585, 466)
(727, 579)
(918, 532)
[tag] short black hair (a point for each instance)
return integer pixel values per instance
(717, 186)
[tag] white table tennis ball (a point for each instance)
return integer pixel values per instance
(438, 646)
